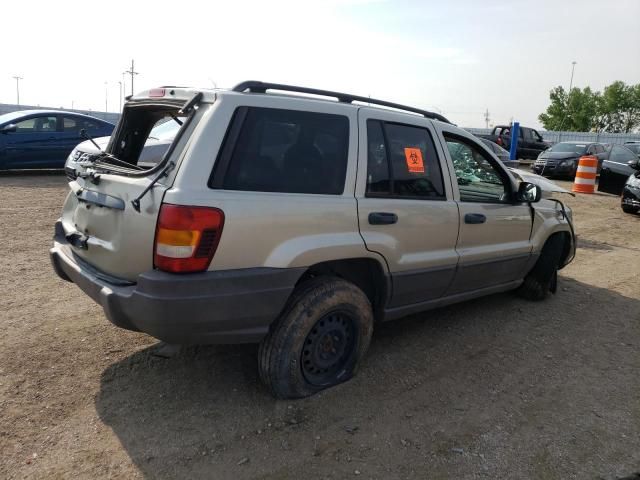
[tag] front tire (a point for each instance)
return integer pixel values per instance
(628, 209)
(318, 341)
(544, 275)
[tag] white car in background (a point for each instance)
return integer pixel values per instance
(157, 144)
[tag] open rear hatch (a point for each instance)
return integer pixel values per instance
(109, 217)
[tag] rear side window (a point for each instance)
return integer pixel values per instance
(285, 151)
(402, 162)
(621, 154)
(70, 125)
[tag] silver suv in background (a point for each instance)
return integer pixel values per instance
(299, 222)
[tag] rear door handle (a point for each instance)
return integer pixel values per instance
(382, 218)
(474, 218)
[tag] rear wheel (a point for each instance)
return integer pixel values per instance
(628, 209)
(543, 277)
(318, 341)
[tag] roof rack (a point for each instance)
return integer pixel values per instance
(262, 87)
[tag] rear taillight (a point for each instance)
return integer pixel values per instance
(499, 141)
(186, 237)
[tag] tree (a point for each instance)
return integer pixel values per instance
(620, 107)
(617, 109)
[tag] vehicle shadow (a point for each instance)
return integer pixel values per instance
(32, 172)
(497, 381)
(32, 178)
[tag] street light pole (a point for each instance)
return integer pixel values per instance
(120, 101)
(566, 111)
(106, 96)
(573, 67)
(18, 78)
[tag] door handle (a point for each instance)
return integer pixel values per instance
(474, 218)
(382, 218)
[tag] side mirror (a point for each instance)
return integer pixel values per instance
(8, 128)
(635, 164)
(528, 192)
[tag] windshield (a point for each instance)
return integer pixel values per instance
(166, 130)
(579, 148)
(10, 117)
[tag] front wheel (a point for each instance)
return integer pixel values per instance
(628, 209)
(318, 341)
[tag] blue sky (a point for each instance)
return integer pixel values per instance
(458, 57)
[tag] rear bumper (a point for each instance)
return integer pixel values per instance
(232, 306)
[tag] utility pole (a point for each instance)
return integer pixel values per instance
(131, 72)
(18, 78)
(106, 96)
(486, 118)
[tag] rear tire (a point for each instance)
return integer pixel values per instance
(318, 341)
(543, 276)
(628, 209)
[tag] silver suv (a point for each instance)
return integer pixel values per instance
(298, 222)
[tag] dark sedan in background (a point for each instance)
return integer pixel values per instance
(633, 146)
(44, 138)
(562, 158)
(619, 176)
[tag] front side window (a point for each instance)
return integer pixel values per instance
(402, 162)
(289, 151)
(478, 180)
(37, 124)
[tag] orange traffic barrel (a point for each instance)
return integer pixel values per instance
(585, 181)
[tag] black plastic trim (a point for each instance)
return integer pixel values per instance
(219, 171)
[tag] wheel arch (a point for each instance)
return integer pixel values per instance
(368, 274)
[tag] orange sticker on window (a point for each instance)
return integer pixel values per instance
(414, 160)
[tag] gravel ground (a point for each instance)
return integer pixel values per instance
(493, 388)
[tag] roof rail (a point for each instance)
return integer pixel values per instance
(262, 87)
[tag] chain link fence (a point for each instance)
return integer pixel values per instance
(554, 137)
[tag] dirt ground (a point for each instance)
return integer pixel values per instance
(493, 388)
